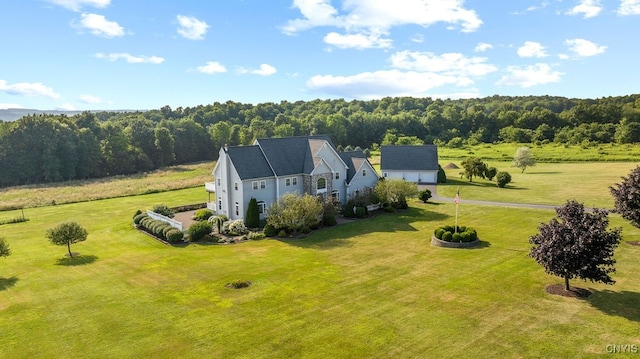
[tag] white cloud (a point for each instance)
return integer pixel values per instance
(366, 21)
(191, 28)
(66, 107)
(265, 70)
(30, 89)
(76, 5)
(131, 58)
(413, 74)
(211, 67)
(418, 38)
(356, 41)
(6, 106)
(454, 64)
(588, 8)
(531, 49)
(482, 47)
(629, 7)
(584, 48)
(100, 26)
(538, 74)
(90, 99)
(371, 85)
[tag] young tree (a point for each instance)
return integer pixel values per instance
(576, 244)
(627, 197)
(502, 179)
(5, 251)
(523, 158)
(252, 220)
(293, 212)
(67, 233)
(395, 192)
(490, 173)
(473, 166)
(424, 195)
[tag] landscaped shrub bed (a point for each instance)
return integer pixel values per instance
(453, 234)
(158, 229)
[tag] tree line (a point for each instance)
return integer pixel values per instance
(49, 148)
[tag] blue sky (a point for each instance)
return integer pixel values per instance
(143, 54)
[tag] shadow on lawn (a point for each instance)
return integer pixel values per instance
(623, 304)
(388, 223)
(78, 260)
(484, 184)
(6, 283)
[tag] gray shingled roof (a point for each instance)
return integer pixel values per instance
(249, 162)
(354, 160)
(290, 155)
(409, 158)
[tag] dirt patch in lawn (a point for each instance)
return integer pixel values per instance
(573, 292)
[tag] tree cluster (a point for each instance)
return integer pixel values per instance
(47, 148)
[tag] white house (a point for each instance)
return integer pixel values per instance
(274, 166)
(417, 164)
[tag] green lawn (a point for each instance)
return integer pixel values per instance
(545, 183)
(370, 288)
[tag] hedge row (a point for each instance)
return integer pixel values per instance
(453, 234)
(158, 228)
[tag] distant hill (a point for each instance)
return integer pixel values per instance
(12, 114)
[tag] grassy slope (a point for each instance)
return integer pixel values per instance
(373, 288)
(167, 179)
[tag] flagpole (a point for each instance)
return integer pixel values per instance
(457, 200)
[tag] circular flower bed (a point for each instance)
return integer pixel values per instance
(452, 237)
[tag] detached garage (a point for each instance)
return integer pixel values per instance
(418, 164)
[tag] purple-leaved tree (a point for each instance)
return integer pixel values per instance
(627, 197)
(577, 244)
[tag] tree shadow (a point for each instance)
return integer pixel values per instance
(77, 260)
(622, 304)
(6, 283)
(380, 222)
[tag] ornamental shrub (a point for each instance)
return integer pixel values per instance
(424, 195)
(456, 237)
(198, 230)
(282, 233)
(175, 235)
(138, 212)
(361, 212)
(270, 231)
(438, 233)
(252, 220)
(442, 176)
(139, 217)
(447, 236)
(164, 210)
(166, 230)
(503, 178)
(237, 227)
(203, 215)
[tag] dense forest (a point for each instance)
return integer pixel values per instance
(49, 148)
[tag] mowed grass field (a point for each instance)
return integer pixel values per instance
(371, 288)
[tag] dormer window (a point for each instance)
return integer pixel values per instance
(337, 175)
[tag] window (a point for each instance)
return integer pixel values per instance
(237, 209)
(263, 184)
(219, 181)
(364, 172)
(294, 181)
(261, 207)
(220, 204)
(287, 181)
(335, 195)
(254, 185)
(385, 174)
(337, 175)
(321, 184)
(235, 185)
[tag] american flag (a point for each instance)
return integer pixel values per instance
(457, 200)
